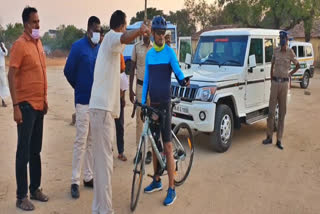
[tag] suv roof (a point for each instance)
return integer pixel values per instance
(242, 32)
(299, 43)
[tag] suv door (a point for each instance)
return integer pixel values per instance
(255, 80)
(269, 45)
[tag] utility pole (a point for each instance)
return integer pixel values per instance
(145, 10)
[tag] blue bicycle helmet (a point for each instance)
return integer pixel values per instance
(159, 22)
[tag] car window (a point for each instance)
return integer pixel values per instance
(268, 49)
(301, 51)
(308, 51)
(256, 49)
(294, 48)
(221, 50)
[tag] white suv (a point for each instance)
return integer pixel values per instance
(230, 84)
(305, 56)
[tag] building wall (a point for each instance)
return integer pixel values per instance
(316, 48)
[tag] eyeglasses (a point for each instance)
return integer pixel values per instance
(160, 32)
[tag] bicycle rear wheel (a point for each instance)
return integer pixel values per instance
(138, 173)
(183, 151)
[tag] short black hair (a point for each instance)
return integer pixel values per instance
(26, 13)
(93, 20)
(118, 18)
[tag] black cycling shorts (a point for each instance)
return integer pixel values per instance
(163, 126)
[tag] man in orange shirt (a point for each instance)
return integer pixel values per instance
(28, 87)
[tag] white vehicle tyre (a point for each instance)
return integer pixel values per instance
(222, 135)
(305, 80)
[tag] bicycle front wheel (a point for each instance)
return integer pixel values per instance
(183, 151)
(138, 173)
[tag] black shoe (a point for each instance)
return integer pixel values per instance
(139, 158)
(148, 158)
(75, 191)
(88, 184)
(279, 145)
(267, 141)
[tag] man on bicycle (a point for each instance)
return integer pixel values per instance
(160, 61)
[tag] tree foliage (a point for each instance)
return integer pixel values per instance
(64, 38)
(277, 14)
(185, 23)
(151, 12)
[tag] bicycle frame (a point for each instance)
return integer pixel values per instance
(147, 135)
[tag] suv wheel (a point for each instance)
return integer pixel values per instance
(305, 81)
(222, 135)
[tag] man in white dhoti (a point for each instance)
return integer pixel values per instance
(4, 90)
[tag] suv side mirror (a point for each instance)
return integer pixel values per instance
(188, 61)
(252, 63)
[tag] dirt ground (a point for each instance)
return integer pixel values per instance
(250, 178)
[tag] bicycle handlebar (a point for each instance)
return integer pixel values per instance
(136, 104)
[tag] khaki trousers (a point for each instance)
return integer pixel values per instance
(82, 149)
(139, 127)
(278, 95)
(102, 127)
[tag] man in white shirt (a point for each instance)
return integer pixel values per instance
(104, 107)
(4, 89)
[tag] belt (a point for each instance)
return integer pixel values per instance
(279, 79)
(139, 82)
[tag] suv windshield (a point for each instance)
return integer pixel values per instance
(221, 50)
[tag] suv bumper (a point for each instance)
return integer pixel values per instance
(191, 116)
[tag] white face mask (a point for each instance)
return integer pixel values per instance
(95, 38)
(35, 33)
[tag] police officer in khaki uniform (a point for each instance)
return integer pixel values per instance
(138, 58)
(281, 63)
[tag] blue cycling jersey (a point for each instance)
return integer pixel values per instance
(157, 76)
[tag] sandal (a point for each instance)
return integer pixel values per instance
(39, 196)
(122, 157)
(25, 204)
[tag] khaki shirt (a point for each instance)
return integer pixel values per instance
(282, 62)
(139, 53)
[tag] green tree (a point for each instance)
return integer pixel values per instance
(151, 12)
(203, 13)
(311, 10)
(70, 35)
(12, 33)
(185, 24)
(1, 33)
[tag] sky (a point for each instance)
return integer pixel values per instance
(53, 13)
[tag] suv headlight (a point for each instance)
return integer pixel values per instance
(206, 94)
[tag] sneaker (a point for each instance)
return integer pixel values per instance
(171, 197)
(148, 158)
(75, 191)
(153, 187)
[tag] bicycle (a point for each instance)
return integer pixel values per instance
(183, 151)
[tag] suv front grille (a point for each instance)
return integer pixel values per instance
(185, 93)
